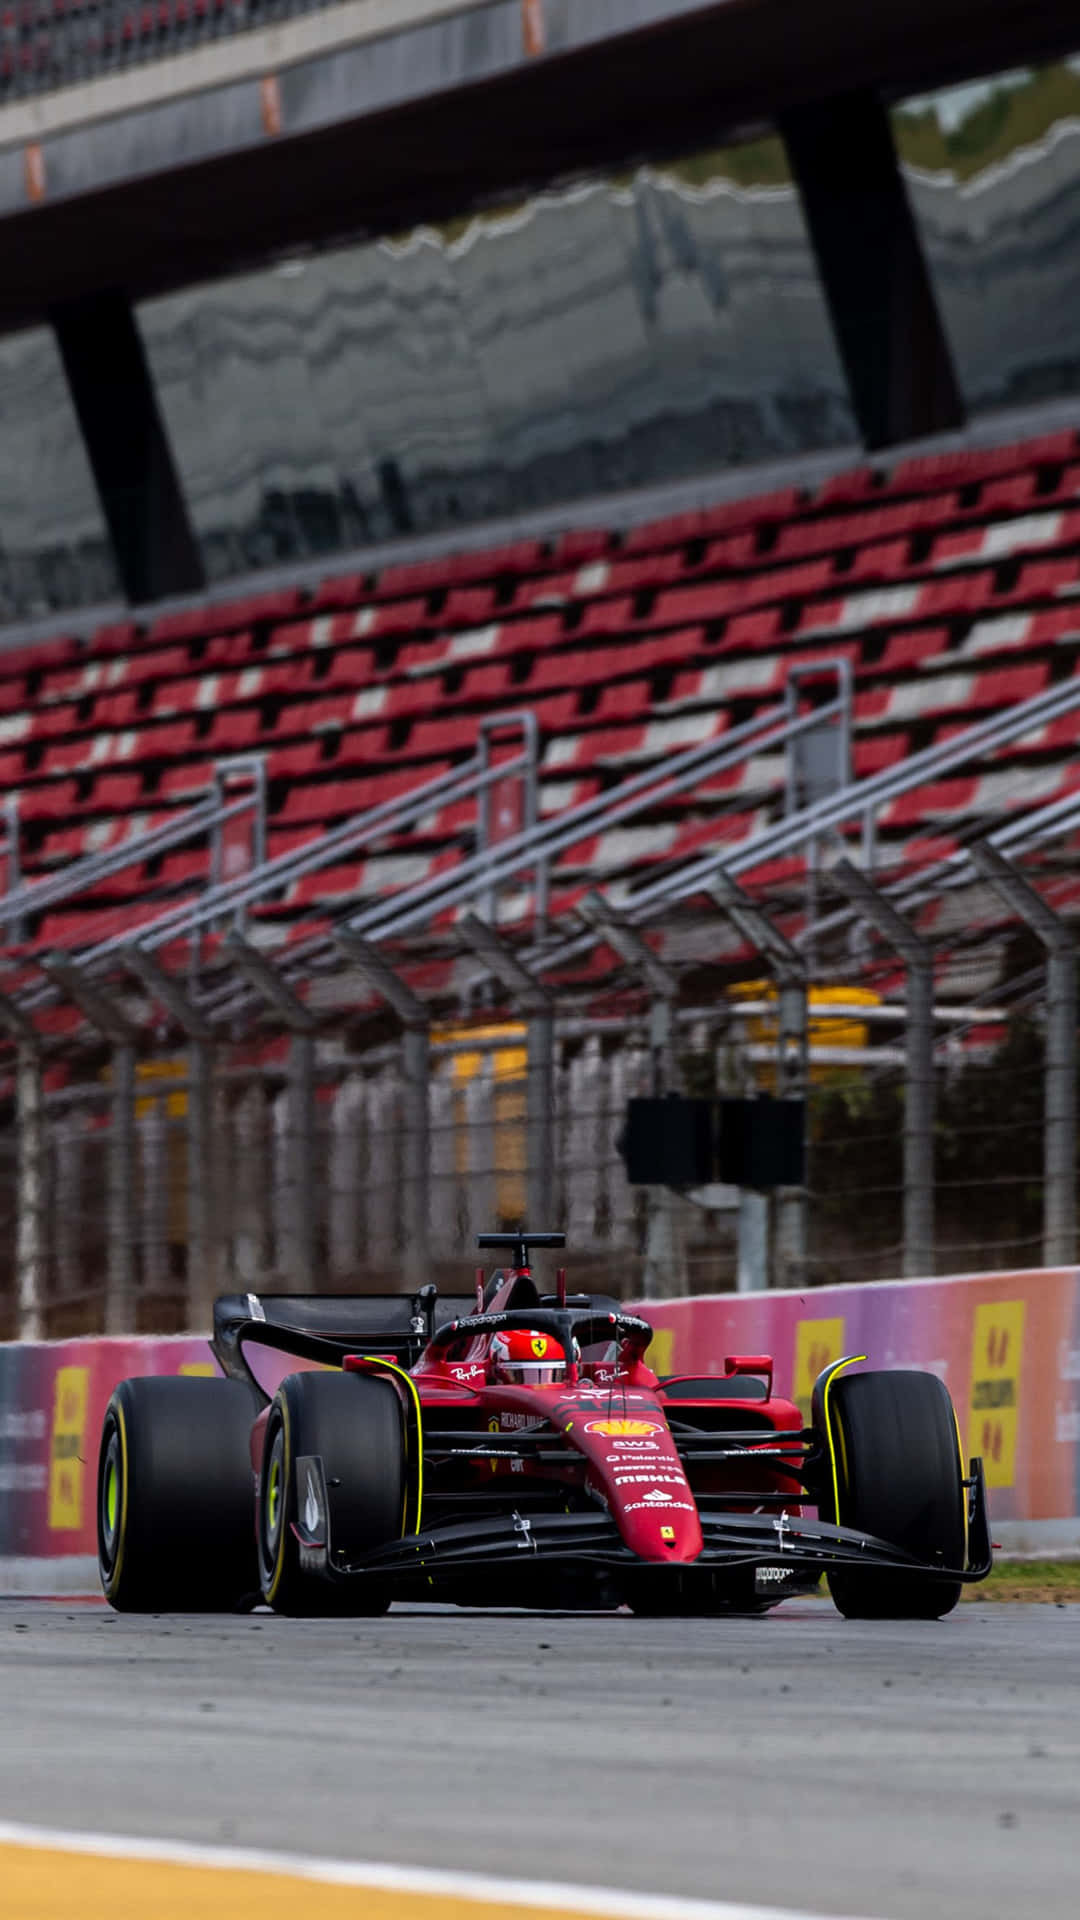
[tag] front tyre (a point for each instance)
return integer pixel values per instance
(353, 1423)
(175, 1497)
(900, 1476)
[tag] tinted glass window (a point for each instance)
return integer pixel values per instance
(53, 549)
(606, 335)
(993, 171)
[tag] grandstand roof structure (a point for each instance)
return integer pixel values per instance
(194, 141)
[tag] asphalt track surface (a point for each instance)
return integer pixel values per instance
(796, 1760)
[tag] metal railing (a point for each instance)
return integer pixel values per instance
(859, 803)
(535, 849)
(207, 817)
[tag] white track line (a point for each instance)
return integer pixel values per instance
(550, 1896)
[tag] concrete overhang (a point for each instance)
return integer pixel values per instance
(377, 114)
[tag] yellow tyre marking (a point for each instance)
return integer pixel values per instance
(388, 1366)
(963, 1476)
(286, 1471)
(852, 1361)
(113, 1582)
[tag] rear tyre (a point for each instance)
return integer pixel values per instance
(175, 1497)
(354, 1424)
(900, 1476)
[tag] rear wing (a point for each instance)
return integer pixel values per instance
(324, 1326)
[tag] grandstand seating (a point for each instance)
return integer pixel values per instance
(951, 585)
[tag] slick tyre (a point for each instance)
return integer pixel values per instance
(899, 1476)
(176, 1497)
(353, 1424)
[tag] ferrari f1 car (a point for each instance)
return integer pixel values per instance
(515, 1449)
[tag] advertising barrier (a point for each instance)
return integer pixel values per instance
(1007, 1345)
(52, 1400)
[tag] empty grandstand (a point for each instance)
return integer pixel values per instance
(655, 528)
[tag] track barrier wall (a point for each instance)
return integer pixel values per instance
(1007, 1346)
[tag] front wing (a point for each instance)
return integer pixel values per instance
(587, 1540)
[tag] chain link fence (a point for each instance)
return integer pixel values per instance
(309, 1173)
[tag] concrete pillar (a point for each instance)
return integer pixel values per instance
(69, 1133)
(791, 1084)
(444, 1185)
(344, 1200)
(120, 1315)
(297, 1254)
(154, 1210)
(252, 1185)
(789, 968)
(480, 1151)
(1059, 1086)
(540, 1117)
(382, 1189)
(869, 254)
(627, 1069)
(752, 1258)
(30, 1230)
(1059, 1127)
(128, 448)
(202, 1235)
(919, 1067)
(582, 1161)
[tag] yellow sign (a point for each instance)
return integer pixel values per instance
(67, 1465)
(660, 1356)
(200, 1369)
(997, 1342)
(816, 1343)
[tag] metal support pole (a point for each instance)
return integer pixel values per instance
(539, 1115)
(416, 1089)
(30, 1252)
(665, 1272)
(30, 1221)
(918, 959)
(298, 1255)
(104, 1012)
(1059, 1085)
(533, 999)
(120, 1293)
(302, 1161)
(790, 969)
(202, 1276)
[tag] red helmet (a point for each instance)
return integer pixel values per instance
(527, 1358)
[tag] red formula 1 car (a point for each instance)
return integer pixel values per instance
(517, 1450)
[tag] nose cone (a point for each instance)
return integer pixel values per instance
(636, 1470)
(660, 1525)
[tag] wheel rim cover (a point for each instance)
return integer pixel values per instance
(110, 1497)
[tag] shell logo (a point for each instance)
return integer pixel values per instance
(620, 1429)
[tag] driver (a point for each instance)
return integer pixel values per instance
(523, 1358)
